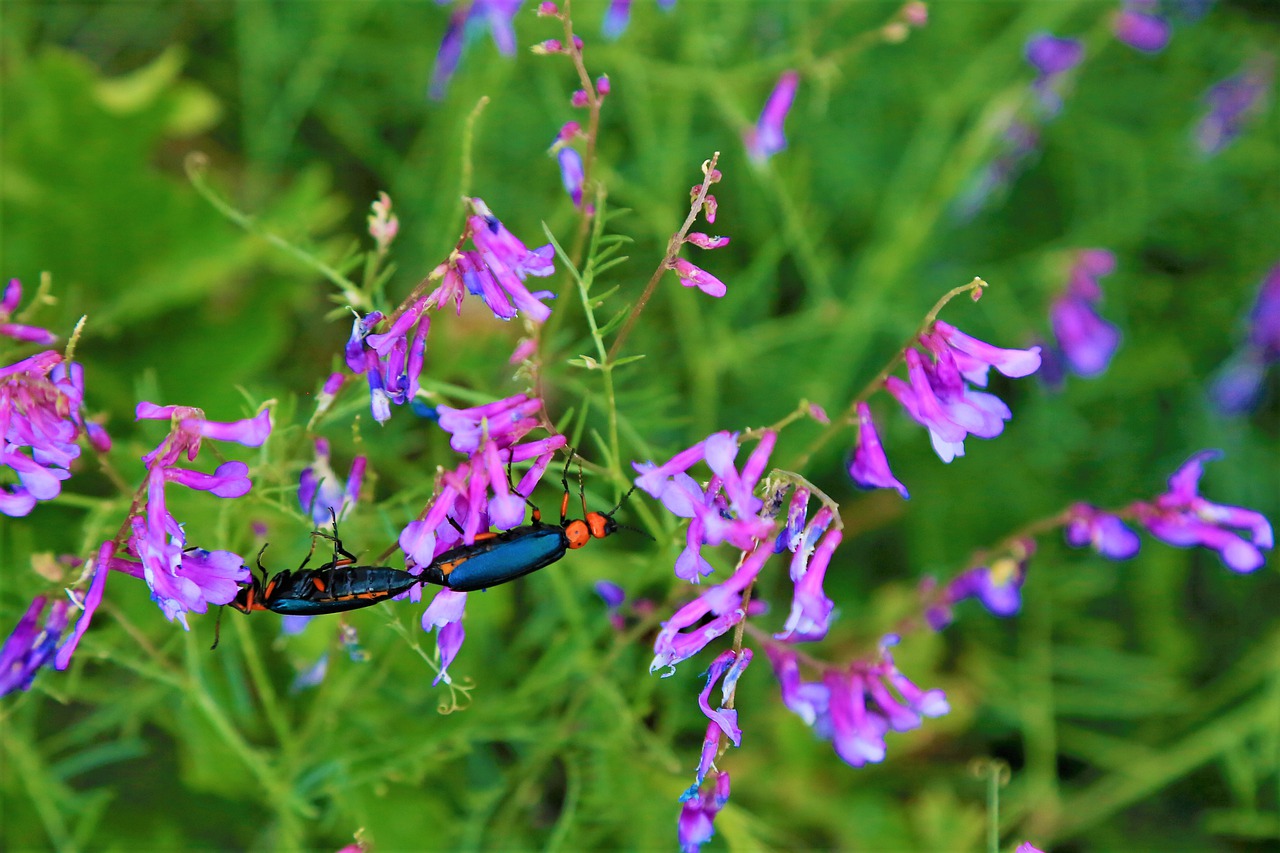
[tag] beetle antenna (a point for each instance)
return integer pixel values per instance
(610, 513)
(635, 530)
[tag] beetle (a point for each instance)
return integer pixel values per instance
(496, 558)
(335, 587)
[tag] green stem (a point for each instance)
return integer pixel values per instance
(197, 165)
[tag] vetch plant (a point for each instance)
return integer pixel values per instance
(802, 637)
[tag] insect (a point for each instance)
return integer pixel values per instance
(335, 587)
(495, 558)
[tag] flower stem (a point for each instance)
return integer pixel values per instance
(673, 249)
(197, 165)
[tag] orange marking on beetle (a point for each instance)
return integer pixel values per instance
(318, 584)
(446, 568)
(596, 521)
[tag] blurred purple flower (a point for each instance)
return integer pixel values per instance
(1238, 384)
(1139, 25)
(571, 174)
(321, 493)
(1180, 517)
(855, 707)
(766, 138)
(32, 644)
(1105, 533)
(1052, 57)
(18, 331)
(1087, 342)
(697, 817)
(618, 16)
(1231, 102)
(468, 20)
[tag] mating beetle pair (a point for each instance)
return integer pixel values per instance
(492, 559)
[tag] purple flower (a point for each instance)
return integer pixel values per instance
(692, 275)
(998, 587)
(311, 676)
(1052, 57)
(321, 493)
(571, 174)
(189, 427)
(1139, 26)
(495, 271)
(725, 512)
(32, 645)
(1230, 103)
(185, 579)
(41, 420)
(445, 612)
(1102, 531)
(1086, 341)
(18, 331)
(1027, 847)
(391, 361)
(493, 15)
(766, 138)
(810, 615)
(618, 16)
(938, 397)
(1238, 384)
(697, 817)
(100, 568)
(729, 665)
(869, 467)
(1182, 518)
(855, 707)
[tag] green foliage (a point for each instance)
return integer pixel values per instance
(1136, 702)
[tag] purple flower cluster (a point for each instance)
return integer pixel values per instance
(572, 172)
(474, 496)
(495, 270)
(392, 360)
(1232, 102)
(1179, 517)
(1182, 518)
(35, 644)
(1085, 341)
(468, 19)
(41, 420)
(183, 579)
(1238, 385)
(689, 273)
(940, 395)
(856, 706)
(766, 137)
(727, 510)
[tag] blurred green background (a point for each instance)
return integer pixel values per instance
(1138, 704)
